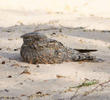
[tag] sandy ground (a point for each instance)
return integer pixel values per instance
(99, 8)
(23, 81)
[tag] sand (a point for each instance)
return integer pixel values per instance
(22, 81)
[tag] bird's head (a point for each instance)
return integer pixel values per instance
(30, 38)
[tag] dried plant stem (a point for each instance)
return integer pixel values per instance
(94, 89)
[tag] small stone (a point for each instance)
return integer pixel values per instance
(39, 92)
(60, 30)
(60, 76)
(3, 62)
(6, 90)
(21, 83)
(54, 33)
(15, 49)
(9, 76)
(37, 66)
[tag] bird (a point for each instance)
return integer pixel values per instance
(37, 48)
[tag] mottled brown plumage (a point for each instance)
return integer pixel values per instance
(37, 48)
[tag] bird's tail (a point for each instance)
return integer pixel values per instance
(82, 57)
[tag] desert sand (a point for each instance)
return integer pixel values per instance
(22, 81)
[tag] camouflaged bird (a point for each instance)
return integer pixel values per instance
(38, 49)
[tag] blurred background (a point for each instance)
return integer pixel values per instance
(100, 8)
(41, 11)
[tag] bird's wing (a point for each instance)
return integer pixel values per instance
(86, 50)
